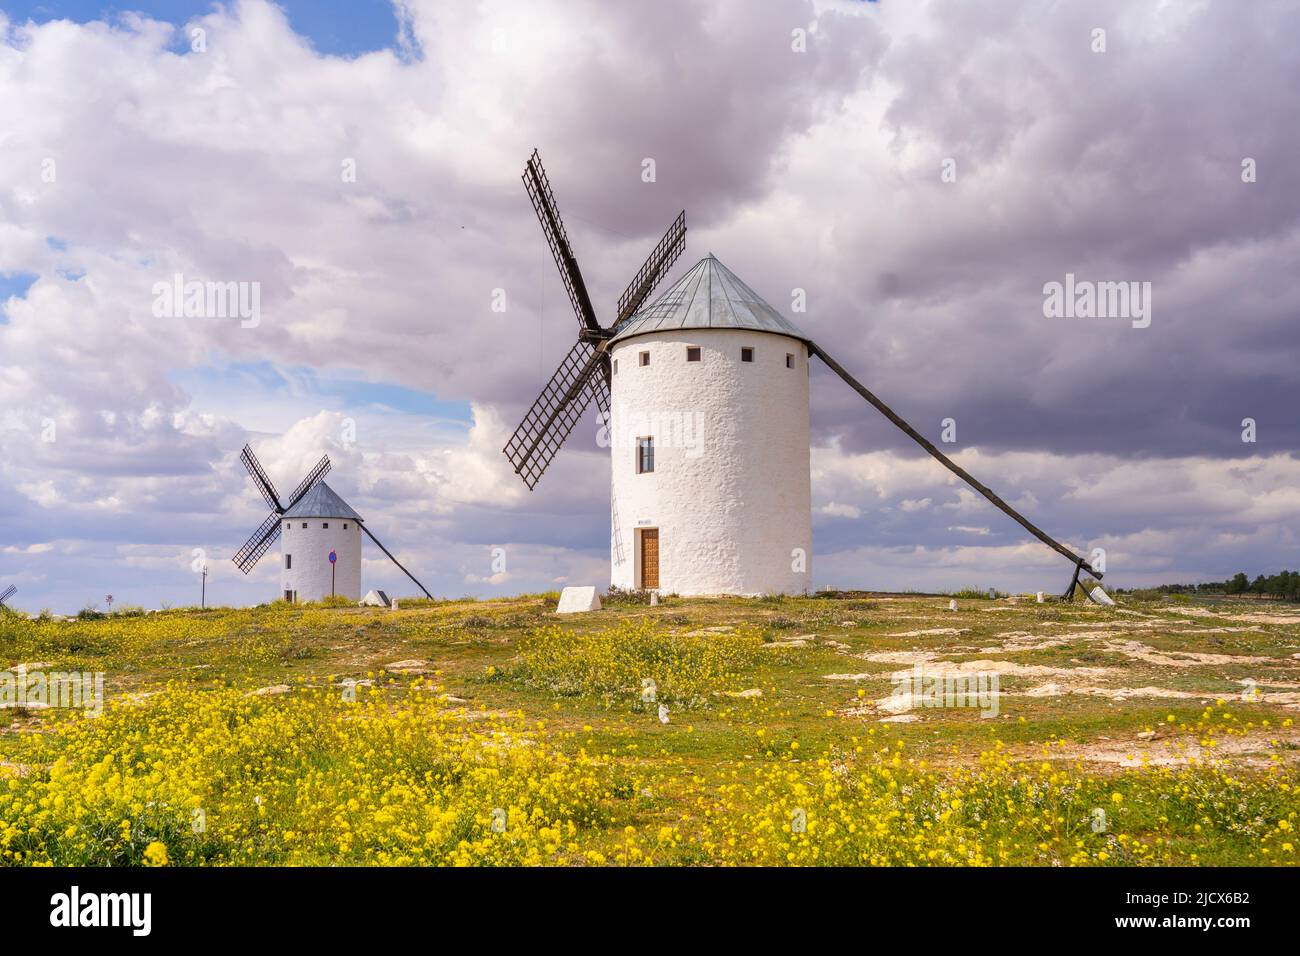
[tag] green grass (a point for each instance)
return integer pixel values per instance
(576, 681)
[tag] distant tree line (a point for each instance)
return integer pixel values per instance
(1285, 585)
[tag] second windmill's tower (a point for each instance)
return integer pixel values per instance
(319, 525)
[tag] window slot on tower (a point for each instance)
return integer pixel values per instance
(615, 366)
(324, 524)
(645, 455)
(645, 358)
(747, 354)
(288, 562)
(789, 360)
(692, 353)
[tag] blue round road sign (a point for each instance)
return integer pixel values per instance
(333, 557)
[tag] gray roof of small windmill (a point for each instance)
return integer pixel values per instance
(709, 296)
(322, 502)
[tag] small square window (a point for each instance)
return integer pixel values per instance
(645, 358)
(645, 455)
(692, 353)
(304, 524)
(324, 524)
(345, 526)
(747, 355)
(789, 360)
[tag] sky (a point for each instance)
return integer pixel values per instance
(921, 171)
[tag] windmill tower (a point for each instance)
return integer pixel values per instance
(709, 437)
(724, 506)
(321, 544)
(320, 534)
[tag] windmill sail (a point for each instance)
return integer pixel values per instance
(8, 592)
(556, 411)
(259, 543)
(319, 471)
(584, 374)
(653, 270)
(268, 532)
(548, 214)
(260, 478)
(853, 383)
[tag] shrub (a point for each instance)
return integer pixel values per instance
(975, 594)
(614, 663)
(617, 596)
(782, 622)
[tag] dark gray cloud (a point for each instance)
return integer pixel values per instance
(1123, 165)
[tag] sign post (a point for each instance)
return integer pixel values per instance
(333, 566)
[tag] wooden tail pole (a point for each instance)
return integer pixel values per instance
(853, 383)
(398, 563)
(1074, 583)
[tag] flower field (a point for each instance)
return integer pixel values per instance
(493, 733)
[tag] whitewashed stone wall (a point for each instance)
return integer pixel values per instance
(310, 547)
(731, 490)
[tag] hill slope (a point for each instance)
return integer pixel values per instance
(698, 731)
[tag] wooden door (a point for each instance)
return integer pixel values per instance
(649, 558)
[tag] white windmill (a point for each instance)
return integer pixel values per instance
(704, 393)
(320, 537)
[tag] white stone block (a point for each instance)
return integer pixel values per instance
(1101, 597)
(577, 600)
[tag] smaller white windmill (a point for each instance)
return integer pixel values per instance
(321, 536)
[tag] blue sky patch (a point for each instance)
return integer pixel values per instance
(13, 284)
(16, 283)
(336, 27)
(335, 389)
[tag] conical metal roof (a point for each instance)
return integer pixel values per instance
(322, 502)
(709, 296)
